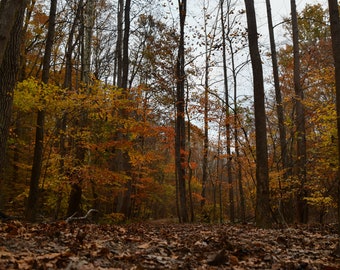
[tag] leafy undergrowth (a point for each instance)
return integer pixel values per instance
(164, 246)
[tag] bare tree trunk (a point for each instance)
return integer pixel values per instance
(191, 204)
(123, 155)
(117, 76)
(81, 122)
(279, 105)
(8, 77)
(125, 67)
(262, 215)
(32, 202)
(206, 120)
(228, 120)
(180, 118)
(301, 155)
(335, 32)
(76, 190)
(9, 12)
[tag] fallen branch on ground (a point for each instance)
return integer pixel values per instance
(73, 218)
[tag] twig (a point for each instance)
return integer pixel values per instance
(73, 218)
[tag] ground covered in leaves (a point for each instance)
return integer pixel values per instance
(164, 246)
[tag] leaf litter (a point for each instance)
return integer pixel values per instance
(165, 246)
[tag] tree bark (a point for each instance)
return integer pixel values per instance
(31, 209)
(9, 12)
(206, 120)
(301, 155)
(125, 67)
(76, 189)
(117, 76)
(228, 120)
(180, 142)
(278, 96)
(262, 214)
(335, 32)
(279, 106)
(8, 78)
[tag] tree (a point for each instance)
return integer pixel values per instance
(316, 77)
(31, 208)
(180, 117)
(262, 212)
(301, 154)
(335, 32)
(278, 96)
(209, 43)
(8, 74)
(9, 12)
(86, 31)
(228, 118)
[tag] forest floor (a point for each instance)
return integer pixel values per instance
(164, 246)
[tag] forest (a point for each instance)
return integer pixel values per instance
(161, 134)
(118, 107)
(137, 111)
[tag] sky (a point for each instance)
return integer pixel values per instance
(281, 8)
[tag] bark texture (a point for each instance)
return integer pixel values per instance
(262, 212)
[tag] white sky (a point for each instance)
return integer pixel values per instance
(281, 9)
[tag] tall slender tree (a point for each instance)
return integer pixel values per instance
(279, 105)
(76, 190)
(278, 96)
(87, 24)
(180, 117)
(301, 154)
(117, 76)
(122, 157)
(335, 32)
(209, 40)
(31, 209)
(227, 111)
(262, 214)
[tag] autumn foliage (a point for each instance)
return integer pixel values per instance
(113, 149)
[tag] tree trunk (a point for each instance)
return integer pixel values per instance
(227, 121)
(74, 198)
(278, 97)
(125, 67)
(31, 209)
(122, 156)
(335, 32)
(9, 12)
(8, 78)
(117, 76)
(190, 170)
(301, 155)
(180, 118)
(279, 105)
(206, 120)
(262, 214)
